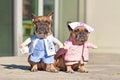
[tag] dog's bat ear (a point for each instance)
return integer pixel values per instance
(70, 29)
(68, 22)
(33, 17)
(50, 15)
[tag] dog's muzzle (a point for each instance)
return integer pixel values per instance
(81, 37)
(42, 29)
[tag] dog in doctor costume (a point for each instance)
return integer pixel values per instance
(41, 44)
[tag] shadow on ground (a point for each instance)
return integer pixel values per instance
(14, 66)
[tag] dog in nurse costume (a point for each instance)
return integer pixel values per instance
(75, 51)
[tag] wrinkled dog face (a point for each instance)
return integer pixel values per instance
(42, 25)
(79, 34)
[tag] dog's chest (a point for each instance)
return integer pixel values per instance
(74, 49)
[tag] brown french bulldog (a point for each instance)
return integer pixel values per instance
(72, 56)
(41, 44)
(42, 25)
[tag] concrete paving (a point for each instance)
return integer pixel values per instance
(100, 66)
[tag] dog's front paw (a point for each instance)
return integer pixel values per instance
(51, 68)
(82, 69)
(34, 68)
(69, 69)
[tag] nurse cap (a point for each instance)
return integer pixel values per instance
(73, 25)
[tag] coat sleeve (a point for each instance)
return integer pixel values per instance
(91, 45)
(24, 46)
(67, 44)
(27, 41)
(56, 41)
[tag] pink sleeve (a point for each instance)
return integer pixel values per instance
(62, 51)
(67, 44)
(90, 45)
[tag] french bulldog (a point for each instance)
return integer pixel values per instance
(42, 44)
(75, 51)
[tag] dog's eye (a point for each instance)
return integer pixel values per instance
(47, 22)
(38, 21)
(86, 30)
(35, 21)
(77, 30)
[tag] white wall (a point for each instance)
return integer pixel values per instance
(104, 16)
(17, 25)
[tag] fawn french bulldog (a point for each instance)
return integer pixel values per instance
(75, 51)
(41, 44)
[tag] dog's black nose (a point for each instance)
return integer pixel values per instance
(81, 33)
